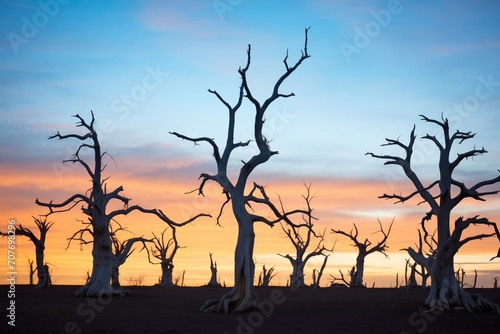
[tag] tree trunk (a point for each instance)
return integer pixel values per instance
(360, 268)
(41, 269)
(167, 275)
(213, 276)
(103, 258)
(297, 278)
(242, 296)
(445, 291)
(115, 277)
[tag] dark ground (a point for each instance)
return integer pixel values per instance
(176, 310)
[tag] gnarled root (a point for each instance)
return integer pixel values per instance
(233, 301)
(95, 291)
(461, 299)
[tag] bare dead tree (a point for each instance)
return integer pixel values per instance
(411, 279)
(165, 251)
(266, 276)
(364, 250)
(179, 280)
(317, 274)
(32, 270)
(431, 243)
(242, 297)
(445, 291)
(121, 250)
(213, 276)
(39, 243)
(301, 242)
(95, 206)
(136, 281)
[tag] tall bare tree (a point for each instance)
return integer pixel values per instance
(442, 196)
(165, 251)
(39, 243)
(364, 250)
(301, 242)
(95, 206)
(242, 297)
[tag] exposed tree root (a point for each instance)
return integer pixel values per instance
(233, 301)
(461, 299)
(99, 291)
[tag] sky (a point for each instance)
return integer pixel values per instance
(144, 68)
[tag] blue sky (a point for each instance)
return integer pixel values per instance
(144, 68)
(419, 57)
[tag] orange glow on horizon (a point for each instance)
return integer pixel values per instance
(337, 204)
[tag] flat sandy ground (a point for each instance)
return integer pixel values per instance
(176, 310)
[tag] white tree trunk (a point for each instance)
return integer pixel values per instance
(99, 283)
(242, 296)
(360, 268)
(41, 270)
(167, 275)
(297, 278)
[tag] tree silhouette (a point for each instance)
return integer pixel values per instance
(213, 273)
(317, 274)
(164, 251)
(364, 249)
(94, 205)
(121, 249)
(39, 242)
(301, 243)
(431, 243)
(442, 196)
(266, 276)
(242, 297)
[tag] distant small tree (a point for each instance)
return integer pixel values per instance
(213, 276)
(165, 251)
(136, 280)
(317, 274)
(266, 276)
(364, 249)
(122, 250)
(39, 242)
(431, 243)
(301, 243)
(442, 196)
(32, 270)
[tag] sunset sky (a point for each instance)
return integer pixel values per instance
(144, 68)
